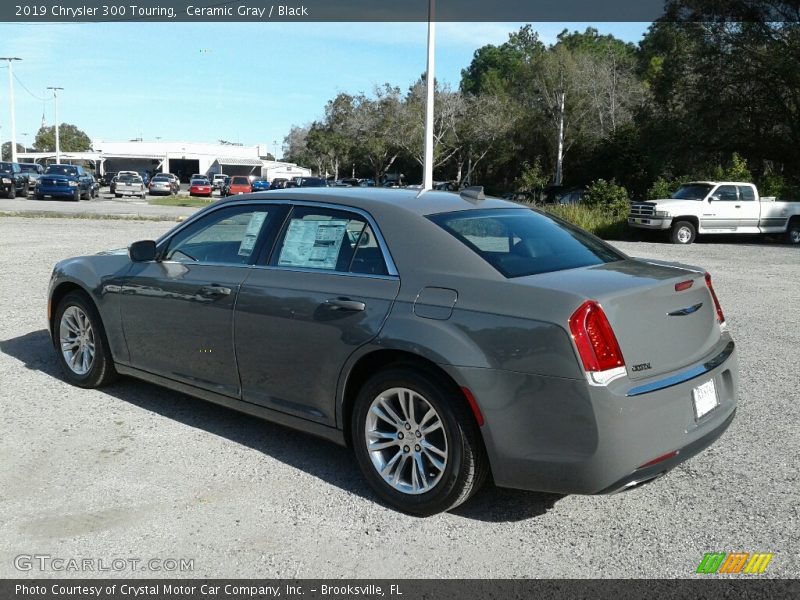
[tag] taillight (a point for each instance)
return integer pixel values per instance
(596, 343)
(720, 316)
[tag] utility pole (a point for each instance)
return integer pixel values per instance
(11, 60)
(430, 84)
(55, 110)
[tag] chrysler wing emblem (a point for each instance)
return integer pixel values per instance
(682, 312)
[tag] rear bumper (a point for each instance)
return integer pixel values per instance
(649, 223)
(562, 435)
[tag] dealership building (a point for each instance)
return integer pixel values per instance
(181, 158)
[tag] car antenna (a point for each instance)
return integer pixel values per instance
(473, 193)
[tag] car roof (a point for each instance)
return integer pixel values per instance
(387, 200)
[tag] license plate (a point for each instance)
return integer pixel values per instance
(705, 399)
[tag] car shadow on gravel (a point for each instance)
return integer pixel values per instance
(330, 462)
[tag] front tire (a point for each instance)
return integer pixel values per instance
(416, 441)
(81, 344)
(793, 233)
(683, 232)
(12, 193)
(77, 196)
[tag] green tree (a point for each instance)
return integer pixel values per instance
(6, 150)
(71, 139)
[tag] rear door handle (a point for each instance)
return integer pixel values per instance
(345, 304)
(738, 206)
(214, 290)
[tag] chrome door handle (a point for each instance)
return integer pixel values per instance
(345, 304)
(738, 206)
(211, 291)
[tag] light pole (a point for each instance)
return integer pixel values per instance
(55, 111)
(275, 147)
(430, 84)
(11, 60)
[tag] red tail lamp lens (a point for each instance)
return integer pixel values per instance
(595, 340)
(720, 316)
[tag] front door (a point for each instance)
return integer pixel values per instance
(178, 311)
(326, 290)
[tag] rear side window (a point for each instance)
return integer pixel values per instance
(519, 242)
(746, 193)
(329, 240)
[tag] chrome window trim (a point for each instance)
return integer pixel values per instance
(684, 376)
(391, 268)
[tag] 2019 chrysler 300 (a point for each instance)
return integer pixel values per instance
(443, 336)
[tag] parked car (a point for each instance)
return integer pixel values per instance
(112, 185)
(260, 185)
(163, 185)
(106, 178)
(65, 181)
(218, 181)
(13, 182)
(311, 182)
(33, 171)
(572, 196)
(712, 207)
(130, 185)
(278, 183)
(239, 184)
(200, 186)
(174, 178)
(145, 177)
(95, 187)
(225, 189)
(476, 336)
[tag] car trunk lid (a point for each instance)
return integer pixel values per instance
(663, 316)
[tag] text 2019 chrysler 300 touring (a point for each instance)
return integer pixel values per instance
(442, 336)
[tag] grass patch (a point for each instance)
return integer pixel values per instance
(180, 201)
(605, 224)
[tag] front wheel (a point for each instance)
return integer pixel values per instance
(416, 441)
(12, 193)
(793, 233)
(683, 232)
(81, 344)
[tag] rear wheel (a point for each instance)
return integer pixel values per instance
(793, 233)
(40, 196)
(417, 443)
(81, 343)
(683, 232)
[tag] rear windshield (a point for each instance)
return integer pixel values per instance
(519, 242)
(29, 168)
(240, 180)
(199, 181)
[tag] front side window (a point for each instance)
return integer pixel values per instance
(329, 240)
(726, 193)
(692, 191)
(519, 242)
(227, 236)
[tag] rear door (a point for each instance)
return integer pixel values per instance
(325, 290)
(177, 312)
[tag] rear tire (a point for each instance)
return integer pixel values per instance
(40, 196)
(444, 461)
(793, 233)
(80, 342)
(683, 232)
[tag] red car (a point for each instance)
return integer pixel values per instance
(239, 185)
(200, 187)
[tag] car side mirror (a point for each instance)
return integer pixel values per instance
(713, 198)
(142, 251)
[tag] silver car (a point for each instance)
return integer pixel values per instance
(444, 338)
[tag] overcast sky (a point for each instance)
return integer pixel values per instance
(239, 82)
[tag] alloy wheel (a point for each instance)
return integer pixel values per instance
(406, 441)
(77, 340)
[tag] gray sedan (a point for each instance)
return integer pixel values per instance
(443, 337)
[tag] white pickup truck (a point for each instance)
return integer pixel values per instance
(702, 207)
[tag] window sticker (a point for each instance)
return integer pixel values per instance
(312, 244)
(251, 233)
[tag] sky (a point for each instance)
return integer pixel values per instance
(240, 82)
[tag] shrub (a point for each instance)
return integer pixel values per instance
(737, 170)
(532, 178)
(664, 188)
(603, 223)
(607, 196)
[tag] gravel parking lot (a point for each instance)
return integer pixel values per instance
(134, 470)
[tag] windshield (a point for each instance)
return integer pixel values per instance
(6, 167)
(692, 191)
(29, 168)
(62, 170)
(519, 242)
